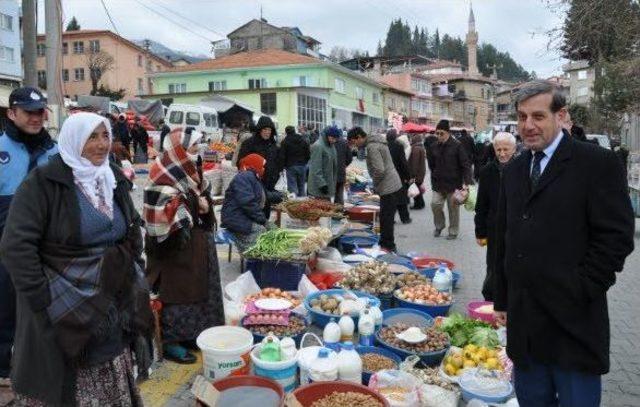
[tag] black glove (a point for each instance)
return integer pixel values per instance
(324, 190)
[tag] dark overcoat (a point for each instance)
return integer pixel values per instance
(560, 245)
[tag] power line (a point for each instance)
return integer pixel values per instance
(190, 20)
(174, 22)
(106, 10)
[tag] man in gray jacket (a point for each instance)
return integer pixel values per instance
(386, 181)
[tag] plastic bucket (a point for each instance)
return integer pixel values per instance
(251, 381)
(306, 355)
(284, 372)
(225, 351)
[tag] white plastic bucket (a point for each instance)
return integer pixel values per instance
(306, 355)
(283, 372)
(225, 351)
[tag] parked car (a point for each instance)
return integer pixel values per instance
(601, 139)
(202, 118)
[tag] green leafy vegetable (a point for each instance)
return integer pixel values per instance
(275, 244)
(483, 336)
(461, 329)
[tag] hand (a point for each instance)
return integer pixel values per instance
(203, 205)
(481, 242)
(500, 317)
(324, 190)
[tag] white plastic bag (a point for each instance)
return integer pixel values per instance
(413, 191)
(401, 389)
(436, 396)
(234, 293)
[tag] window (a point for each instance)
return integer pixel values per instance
(157, 68)
(177, 88)
(65, 75)
(176, 117)
(302, 81)
(40, 49)
(78, 74)
(65, 48)
(359, 93)
(582, 74)
(94, 46)
(268, 103)
(482, 93)
(42, 79)
(376, 98)
(584, 91)
(139, 60)
(257, 83)
(210, 120)
(6, 54)
(148, 65)
(78, 47)
(217, 85)
(140, 86)
(311, 111)
(340, 85)
(193, 119)
(6, 22)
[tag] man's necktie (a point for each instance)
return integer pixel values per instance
(535, 170)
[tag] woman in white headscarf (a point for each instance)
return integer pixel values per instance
(182, 266)
(73, 245)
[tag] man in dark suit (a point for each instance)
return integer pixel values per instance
(565, 226)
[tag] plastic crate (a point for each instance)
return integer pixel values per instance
(281, 274)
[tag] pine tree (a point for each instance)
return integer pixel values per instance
(436, 44)
(380, 50)
(415, 41)
(73, 25)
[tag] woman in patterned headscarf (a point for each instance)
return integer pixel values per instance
(73, 246)
(182, 266)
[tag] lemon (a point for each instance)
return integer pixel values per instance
(457, 361)
(492, 363)
(470, 347)
(449, 369)
(469, 363)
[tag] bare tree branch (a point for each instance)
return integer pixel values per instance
(98, 63)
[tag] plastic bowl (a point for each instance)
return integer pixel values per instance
(306, 395)
(246, 381)
(395, 259)
(428, 358)
(257, 338)
(468, 395)
(478, 315)
(349, 243)
(422, 262)
(322, 318)
(360, 214)
(363, 350)
(433, 310)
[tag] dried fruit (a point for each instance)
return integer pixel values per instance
(372, 277)
(435, 341)
(351, 399)
(373, 362)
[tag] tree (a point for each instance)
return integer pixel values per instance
(579, 114)
(73, 25)
(114, 95)
(379, 50)
(435, 44)
(601, 31)
(398, 41)
(98, 63)
(339, 54)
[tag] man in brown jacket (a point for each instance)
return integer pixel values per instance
(418, 168)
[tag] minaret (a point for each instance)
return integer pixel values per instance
(472, 43)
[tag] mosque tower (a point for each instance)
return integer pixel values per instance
(472, 44)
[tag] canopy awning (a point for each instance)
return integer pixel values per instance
(223, 104)
(410, 127)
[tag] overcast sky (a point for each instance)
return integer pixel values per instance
(516, 26)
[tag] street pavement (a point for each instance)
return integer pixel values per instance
(169, 384)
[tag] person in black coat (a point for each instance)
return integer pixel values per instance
(121, 132)
(294, 156)
(402, 167)
(468, 144)
(504, 145)
(164, 130)
(263, 143)
(564, 228)
(344, 155)
(140, 138)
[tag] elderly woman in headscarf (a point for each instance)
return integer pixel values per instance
(73, 246)
(243, 208)
(182, 265)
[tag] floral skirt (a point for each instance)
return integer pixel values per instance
(107, 384)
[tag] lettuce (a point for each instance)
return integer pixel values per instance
(484, 336)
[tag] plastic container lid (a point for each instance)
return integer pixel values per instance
(347, 345)
(323, 353)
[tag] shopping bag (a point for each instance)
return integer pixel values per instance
(470, 203)
(413, 191)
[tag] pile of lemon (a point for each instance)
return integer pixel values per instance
(471, 356)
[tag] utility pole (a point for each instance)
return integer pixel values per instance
(29, 31)
(53, 28)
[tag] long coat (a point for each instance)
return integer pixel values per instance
(402, 168)
(485, 219)
(46, 207)
(323, 168)
(559, 248)
(343, 152)
(243, 203)
(417, 160)
(380, 166)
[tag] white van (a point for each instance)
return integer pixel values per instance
(202, 118)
